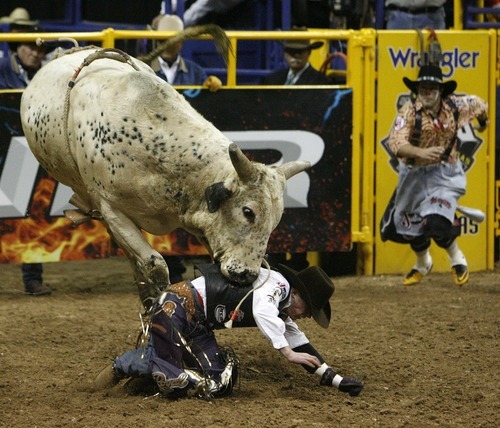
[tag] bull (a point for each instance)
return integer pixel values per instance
(140, 158)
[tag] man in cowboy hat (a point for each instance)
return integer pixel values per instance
(299, 70)
(19, 16)
(431, 177)
(16, 71)
(182, 354)
(172, 67)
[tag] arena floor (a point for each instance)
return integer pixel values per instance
(428, 356)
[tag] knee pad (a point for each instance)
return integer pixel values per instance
(420, 243)
(441, 230)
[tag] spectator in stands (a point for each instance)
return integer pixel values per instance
(299, 70)
(226, 13)
(411, 14)
(18, 16)
(16, 71)
(205, 11)
(172, 67)
(309, 13)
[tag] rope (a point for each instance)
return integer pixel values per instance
(229, 323)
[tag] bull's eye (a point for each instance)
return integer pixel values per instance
(249, 214)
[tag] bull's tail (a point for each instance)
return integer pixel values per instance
(222, 43)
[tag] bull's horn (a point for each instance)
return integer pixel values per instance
(243, 166)
(290, 169)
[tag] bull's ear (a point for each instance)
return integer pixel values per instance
(215, 195)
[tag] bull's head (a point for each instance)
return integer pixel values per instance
(245, 209)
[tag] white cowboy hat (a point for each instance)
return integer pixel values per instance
(19, 16)
(167, 23)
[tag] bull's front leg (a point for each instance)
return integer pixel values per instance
(150, 270)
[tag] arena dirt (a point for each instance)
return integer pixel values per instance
(428, 356)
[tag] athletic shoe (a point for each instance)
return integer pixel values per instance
(460, 274)
(415, 276)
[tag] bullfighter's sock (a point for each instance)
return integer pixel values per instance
(424, 261)
(455, 255)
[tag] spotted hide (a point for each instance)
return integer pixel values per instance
(139, 157)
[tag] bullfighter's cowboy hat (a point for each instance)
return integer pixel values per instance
(431, 73)
(315, 287)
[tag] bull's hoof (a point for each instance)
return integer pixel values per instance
(157, 270)
(149, 293)
(77, 216)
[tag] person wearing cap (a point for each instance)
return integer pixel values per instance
(16, 71)
(299, 70)
(172, 67)
(183, 353)
(431, 178)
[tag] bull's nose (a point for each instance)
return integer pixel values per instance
(244, 277)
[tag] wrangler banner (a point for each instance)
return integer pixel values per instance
(465, 59)
(269, 125)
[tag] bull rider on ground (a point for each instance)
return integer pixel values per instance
(182, 355)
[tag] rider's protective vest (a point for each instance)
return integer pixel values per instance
(222, 297)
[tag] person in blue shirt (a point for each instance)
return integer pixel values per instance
(172, 67)
(16, 71)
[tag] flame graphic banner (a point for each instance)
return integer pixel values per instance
(316, 218)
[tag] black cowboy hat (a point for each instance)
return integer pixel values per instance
(16, 27)
(315, 287)
(431, 73)
(300, 45)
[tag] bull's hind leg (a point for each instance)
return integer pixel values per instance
(150, 270)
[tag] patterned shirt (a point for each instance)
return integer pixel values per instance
(436, 131)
